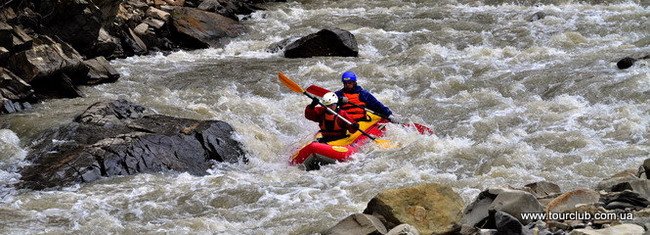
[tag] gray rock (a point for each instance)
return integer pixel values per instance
(46, 59)
(507, 224)
(537, 16)
(403, 229)
(228, 8)
(13, 87)
(100, 71)
(327, 42)
(201, 29)
(625, 200)
(121, 138)
(357, 224)
(641, 186)
(544, 188)
(614, 230)
(515, 203)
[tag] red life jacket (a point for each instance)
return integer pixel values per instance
(354, 112)
(329, 126)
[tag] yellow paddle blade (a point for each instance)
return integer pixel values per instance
(386, 144)
(289, 83)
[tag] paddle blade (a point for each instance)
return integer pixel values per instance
(289, 83)
(317, 91)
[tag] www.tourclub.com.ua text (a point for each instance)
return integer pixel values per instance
(577, 216)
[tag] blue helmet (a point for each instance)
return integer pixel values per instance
(349, 76)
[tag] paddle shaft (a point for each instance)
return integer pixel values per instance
(297, 88)
(338, 115)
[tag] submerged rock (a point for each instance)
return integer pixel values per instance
(327, 42)
(121, 138)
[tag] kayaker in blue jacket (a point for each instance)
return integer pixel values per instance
(355, 94)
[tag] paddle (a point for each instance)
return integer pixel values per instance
(295, 87)
(319, 91)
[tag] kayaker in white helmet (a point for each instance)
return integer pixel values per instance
(332, 127)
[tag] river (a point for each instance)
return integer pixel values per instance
(512, 100)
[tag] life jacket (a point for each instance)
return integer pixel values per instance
(329, 126)
(354, 112)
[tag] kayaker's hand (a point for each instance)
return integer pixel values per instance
(343, 100)
(314, 102)
(355, 126)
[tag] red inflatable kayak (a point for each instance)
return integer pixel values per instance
(314, 154)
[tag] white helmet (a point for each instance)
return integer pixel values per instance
(330, 98)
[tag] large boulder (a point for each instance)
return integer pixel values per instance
(510, 201)
(201, 29)
(431, 208)
(48, 57)
(327, 42)
(121, 138)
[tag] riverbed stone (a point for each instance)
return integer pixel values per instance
(201, 29)
(100, 71)
(614, 230)
(326, 42)
(121, 138)
(47, 58)
(357, 224)
(569, 200)
(13, 87)
(403, 229)
(508, 224)
(431, 208)
(543, 188)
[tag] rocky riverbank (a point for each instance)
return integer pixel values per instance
(617, 205)
(49, 48)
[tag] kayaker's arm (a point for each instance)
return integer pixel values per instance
(314, 114)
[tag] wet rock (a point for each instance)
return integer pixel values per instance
(537, 16)
(121, 138)
(201, 29)
(431, 208)
(403, 229)
(357, 224)
(4, 56)
(47, 58)
(625, 63)
(13, 87)
(569, 200)
(75, 22)
(508, 224)
(544, 188)
(100, 71)
(14, 38)
(614, 230)
(327, 42)
(228, 8)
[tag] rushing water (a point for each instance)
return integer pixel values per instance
(513, 101)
